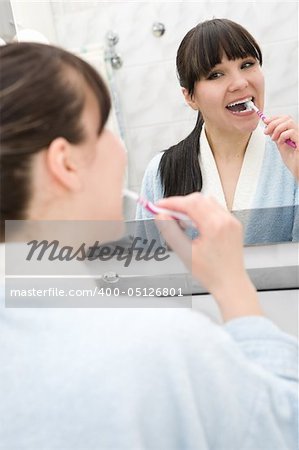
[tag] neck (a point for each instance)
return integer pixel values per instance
(227, 146)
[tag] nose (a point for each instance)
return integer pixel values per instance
(238, 81)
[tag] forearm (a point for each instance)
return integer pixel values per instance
(238, 299)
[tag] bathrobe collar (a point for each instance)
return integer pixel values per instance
(249, 175)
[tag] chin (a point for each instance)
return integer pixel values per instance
(254, 124)
(248, 128)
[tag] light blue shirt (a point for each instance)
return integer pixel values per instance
(152, 379)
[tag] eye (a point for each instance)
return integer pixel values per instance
(247, 64)
(214, 75)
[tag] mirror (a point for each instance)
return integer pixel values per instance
(137, 59)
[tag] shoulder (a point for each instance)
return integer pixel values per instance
(151, 186)
(153, 165)
(179, 332)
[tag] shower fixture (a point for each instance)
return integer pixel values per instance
(158, 29)
(111, 54)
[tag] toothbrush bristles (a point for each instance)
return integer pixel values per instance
(251, 105)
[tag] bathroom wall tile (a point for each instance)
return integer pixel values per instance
(291, 110)
(74, 29)
(146, 142)
(137, 43)
(133, 21)
(276, 21)
(67, 6)
(80, 27)
(151, 94)
(266, 20)
(281, 73)
(178, 19)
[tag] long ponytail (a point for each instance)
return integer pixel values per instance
(179, 166)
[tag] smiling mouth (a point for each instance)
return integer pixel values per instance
(239, 106)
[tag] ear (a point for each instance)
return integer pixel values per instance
(62, 164)
(189, 99)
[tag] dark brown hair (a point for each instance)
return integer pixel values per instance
(200, 50)
(41, 98)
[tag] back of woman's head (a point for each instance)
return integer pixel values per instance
(42, 97)
(204, 46)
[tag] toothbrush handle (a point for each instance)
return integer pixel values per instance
(174, 214)
(261, 115)
(291, 143)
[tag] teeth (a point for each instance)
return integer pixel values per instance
(239, 102)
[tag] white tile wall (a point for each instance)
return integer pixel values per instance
(151, 95)
(149, 140)
(281, 73)
(154, 113)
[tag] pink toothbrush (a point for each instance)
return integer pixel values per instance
(151, 207)
(251, 105)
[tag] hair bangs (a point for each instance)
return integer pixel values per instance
(204, 46)
(239, 45)
(223, 38)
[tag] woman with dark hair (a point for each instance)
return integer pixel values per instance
(227, 155)
(44, 91)
(123, 378)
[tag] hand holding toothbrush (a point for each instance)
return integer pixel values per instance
(282, 130)
(215, 257)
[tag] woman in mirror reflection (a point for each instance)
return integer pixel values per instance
(250, 171)
(124, 378)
